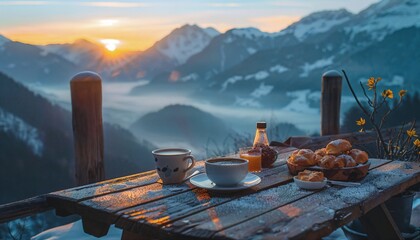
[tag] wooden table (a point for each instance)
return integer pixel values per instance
(274, 209)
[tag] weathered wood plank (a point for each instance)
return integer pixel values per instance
(102, 208)
(230, 213)
(67, 200)
(319, 214)
(105, 206)
(161, 212)
(20, 209)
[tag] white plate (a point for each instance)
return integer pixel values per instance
(202, 181)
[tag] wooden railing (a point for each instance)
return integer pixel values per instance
(86, 99)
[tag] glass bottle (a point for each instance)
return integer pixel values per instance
(261, 138)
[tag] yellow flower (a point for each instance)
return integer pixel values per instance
(378, 79)
(388, 94)
(417, 143)
(361, 122)
(402, 93)
(411, 133)
(371, 83)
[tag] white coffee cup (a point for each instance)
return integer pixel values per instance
(226, 171)
(172, 164)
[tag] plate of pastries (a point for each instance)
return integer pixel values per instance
(338, 161)
(310, 180)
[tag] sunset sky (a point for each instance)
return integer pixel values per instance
(136, 25)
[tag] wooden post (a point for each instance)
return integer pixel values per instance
(86, 100)
(330, 103)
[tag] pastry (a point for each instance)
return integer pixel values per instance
(311, 176)
(303, 157)
(347, 160)
(319, 154)
(328, 161)
(338, 147)
(359, 156)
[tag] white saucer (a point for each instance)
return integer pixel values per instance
(202, 181)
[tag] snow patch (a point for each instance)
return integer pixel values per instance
(396, 81)
(246, 102)
(189, 77)
(75, 231)
(250, 33)
(231, 80)
(251, 50)
(300, 102)
(262, 90)
(308, 67)
(278, 68)
(22, 131)
(261, 75)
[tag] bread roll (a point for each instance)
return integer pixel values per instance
(327, 161)
(359, 156)
(338, 147)
(303, 157)
(347, 160)
(311, 176)
(319, 154)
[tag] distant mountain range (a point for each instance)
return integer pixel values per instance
(36, 145)
(182, 125)
(246, 66)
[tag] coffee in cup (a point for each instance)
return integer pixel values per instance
(172, 164)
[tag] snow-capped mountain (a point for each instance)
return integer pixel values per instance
(3, 40)
(387, 47)
(384, 18)
(185, 41)
(31, 64)
(79, 52)
(223, 52)
(315, 23)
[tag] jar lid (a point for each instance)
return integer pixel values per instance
(261, 125)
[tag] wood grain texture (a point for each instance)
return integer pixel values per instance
(319, 214)
(86, 101)
(330, 103)
(159, 213)
(20, 209)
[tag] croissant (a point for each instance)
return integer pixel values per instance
(319, 154)
(338, 147)
(359, 156)
(327, 161)
(348, 161)
(303, 157)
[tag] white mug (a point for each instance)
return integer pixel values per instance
(172, 164)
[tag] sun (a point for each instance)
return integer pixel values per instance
(110, 44)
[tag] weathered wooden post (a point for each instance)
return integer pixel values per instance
(330, 103)
(86, 100)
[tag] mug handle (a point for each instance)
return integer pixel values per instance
(192, 162)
